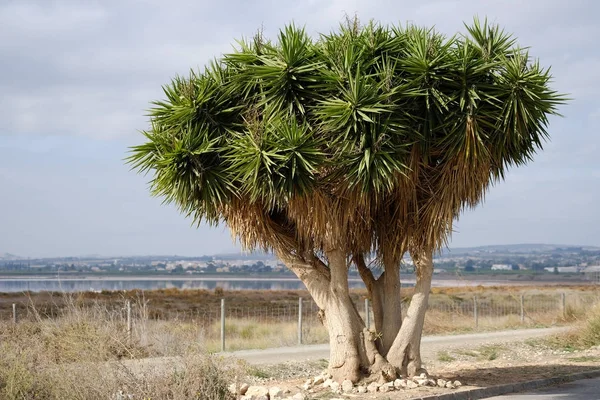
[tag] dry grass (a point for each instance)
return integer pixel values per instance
(64, 358)
(584, 335)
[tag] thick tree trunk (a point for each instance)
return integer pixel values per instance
(386, 301)
(353, 353)
(405, 353)
(347, 353)
(392, 307)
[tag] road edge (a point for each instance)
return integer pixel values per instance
(498, 390)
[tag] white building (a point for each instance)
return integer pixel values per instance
(501, 267)
(592, 273)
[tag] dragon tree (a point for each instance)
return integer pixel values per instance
(350, 150)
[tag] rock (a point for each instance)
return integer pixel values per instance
(361, 389)
(411, 385)
(275, 393)
(327, 383)
(457, 384)
(422, 382)
(257, 391)
(335, 387)
(373, 387)
(243, 388)
(431, 382)
(399, 383)
(299, 396)
(441, 383)
(347, 386)
(423, 375)
(449, 385)
(306, 386)
(384, 388)
(232, 389)
(318, 380)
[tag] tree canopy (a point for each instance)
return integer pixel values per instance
(375, 137)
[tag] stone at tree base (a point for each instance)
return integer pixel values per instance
(318, 380)
(449, 385)
(299, 396)
(441, 383)
(232, 389)
(457, 383)
(411, 385)
(373, 387)
(400, 383)
(361, 389)
(384, 388)
(422, 382)
(257, 391)
(252, 397)
(243, 388)
(327, 383)
(335, 387)
(275, 393)
(347, 386)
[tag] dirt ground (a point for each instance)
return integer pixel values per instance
(481, 366)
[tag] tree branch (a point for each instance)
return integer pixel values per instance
(365, 273)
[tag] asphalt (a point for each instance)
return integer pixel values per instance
(430, 346)
(586, 389)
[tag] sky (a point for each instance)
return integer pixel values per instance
(76, 79)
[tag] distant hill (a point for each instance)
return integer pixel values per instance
(518, 248)
(9, 257)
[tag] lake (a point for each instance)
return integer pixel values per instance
(38, 284)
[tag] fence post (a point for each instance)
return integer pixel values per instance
(14, 310)
(563, 304)
(300, 321)
(129, 320)
(475, 312)
(367, 315)
(522, 309)
(222, 325)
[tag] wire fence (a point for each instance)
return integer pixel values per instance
(234, 326)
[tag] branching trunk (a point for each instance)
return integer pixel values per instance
(392, 306)
(385, 300)
(374, 288)
(405, 353)
(353, 353)
(343, 323)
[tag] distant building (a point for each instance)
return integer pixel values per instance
(501, 267)
(564, 270)
(592, 273)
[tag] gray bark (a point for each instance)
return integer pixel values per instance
(405, 353)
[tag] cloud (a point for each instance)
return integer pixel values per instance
(77, 76)
(91, 68)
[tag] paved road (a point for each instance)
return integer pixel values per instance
(430, 347)
(586, 389)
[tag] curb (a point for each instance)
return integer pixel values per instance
(484, 393)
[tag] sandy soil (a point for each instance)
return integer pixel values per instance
(476, 363)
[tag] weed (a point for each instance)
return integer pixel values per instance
(490, 352)
(445, 356)
(584, 359)
(257, 372)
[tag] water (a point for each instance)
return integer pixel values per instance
(12, 285)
